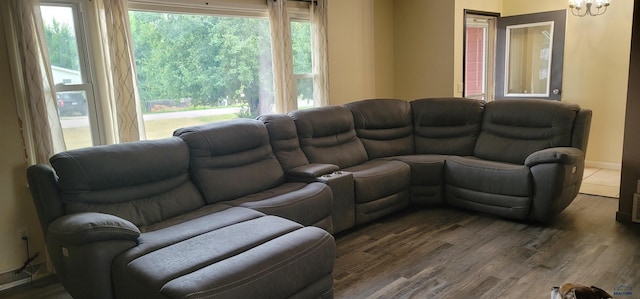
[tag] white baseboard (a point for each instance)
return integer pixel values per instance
(14, 284)
(12, 279)
(603, 165)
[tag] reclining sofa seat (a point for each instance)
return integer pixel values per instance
(233, 162)
(422, 133)
(527, 163)
(126, 221)
(327, 136)
(296, 166)
(520, 158)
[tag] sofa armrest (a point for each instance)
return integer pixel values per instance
(82, 247)
(562, 155)
(557, 176)
(310, 172)
(83, 228)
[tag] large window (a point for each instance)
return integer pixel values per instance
(302, 62)
(71, 75)
(200, 68)
(196, 69)
(194, 65)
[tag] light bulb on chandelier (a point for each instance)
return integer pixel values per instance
(583, 8)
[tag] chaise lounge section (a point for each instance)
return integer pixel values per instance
(128, 221)
(246, 208)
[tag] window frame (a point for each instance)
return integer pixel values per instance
(297, 11)
(87, 73)
(297, 17)
(99, 114)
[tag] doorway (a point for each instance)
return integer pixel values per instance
(530, 55)
(479, 55)
(513, 57)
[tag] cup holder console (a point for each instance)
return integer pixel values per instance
(328, 175)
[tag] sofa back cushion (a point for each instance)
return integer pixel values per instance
(384, 126)
(231, 159)
(446, 126)
(144, 182)
(327, 135)
(513, 129)
(284, 140)
(581, 128)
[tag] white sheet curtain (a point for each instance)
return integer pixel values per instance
(281, 49)
(37, 109)
(115, 72)
(115, 89)
(320, 50)
(115, 82)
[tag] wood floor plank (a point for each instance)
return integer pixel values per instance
(450, 253)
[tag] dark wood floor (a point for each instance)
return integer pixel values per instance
(447, 253)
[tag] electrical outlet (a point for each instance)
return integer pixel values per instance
(23, 233)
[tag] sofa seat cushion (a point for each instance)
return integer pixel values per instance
(307, 204)
(381, 187)
(427, 177)
(379, 178)
(488, 186)
(230, 253)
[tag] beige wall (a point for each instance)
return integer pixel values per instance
(16, 207)
(384, 48)
(596, 73)
(351, 51)
(596, 70)
(361, 50)
(424, 41)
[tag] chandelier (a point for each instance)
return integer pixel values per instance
(583, 8)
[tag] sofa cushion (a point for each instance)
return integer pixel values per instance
(384, 126)
(231, 159)
(307, 204)
(225, 253)
(284, 140)
(379, 178)
(495, 187)
(446, 126)
(427, 177)
(327, 136)
(143, 182)
(509, 134)
(381, 187)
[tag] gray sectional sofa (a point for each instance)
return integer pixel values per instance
(247, 208)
